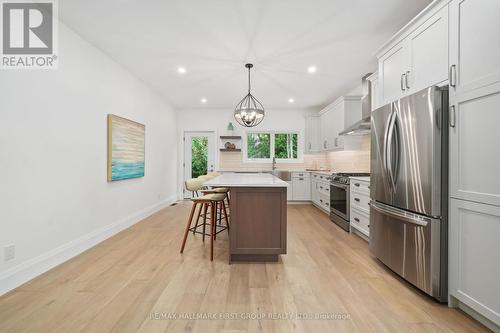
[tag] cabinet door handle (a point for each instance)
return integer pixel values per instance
(356, 219)
(452, 75)
(402, 82)
(356, 184)
(301, 178)
(356, 199)
(407, 79)
(452, 116)
(309, 146)
(324, 144)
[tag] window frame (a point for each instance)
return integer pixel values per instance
(272, 133)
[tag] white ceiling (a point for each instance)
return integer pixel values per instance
(213, 39)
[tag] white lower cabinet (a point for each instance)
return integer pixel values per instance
(320, 191)
(301, 187)
(474, 256)
(359, 206)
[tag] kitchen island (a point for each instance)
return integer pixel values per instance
(258, 217)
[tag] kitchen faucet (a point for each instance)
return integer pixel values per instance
(274, 163)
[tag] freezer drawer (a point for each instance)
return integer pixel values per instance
(410, 245)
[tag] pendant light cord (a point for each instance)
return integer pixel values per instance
(249, 80)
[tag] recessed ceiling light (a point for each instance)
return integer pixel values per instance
(312, 69)
(181, 70)
(203, 100)
(291, 100)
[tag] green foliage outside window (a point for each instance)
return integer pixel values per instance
(199, 155)
(259, 145)
(285, 145)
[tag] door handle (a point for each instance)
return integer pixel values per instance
(402, 215)
(356, 184)
(356, 199)
(389, 161)
(309, 146)
(356, 219)
(407, 76)
(402, 82)
(452, 75)
(452, 116)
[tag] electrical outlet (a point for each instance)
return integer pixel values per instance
(9, 252)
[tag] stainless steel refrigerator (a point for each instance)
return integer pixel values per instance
(408, 208)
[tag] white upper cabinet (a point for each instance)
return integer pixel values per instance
(474, 100)
(428, 47)
(474, 44)
(375, 90)
(392, 68)
(417, 56)
(312, 142)
(334, 118)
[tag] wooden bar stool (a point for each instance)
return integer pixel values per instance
(212, 201)
(219, 190)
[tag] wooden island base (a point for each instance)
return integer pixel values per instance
(258, 224)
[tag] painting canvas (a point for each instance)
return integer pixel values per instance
(126, 139)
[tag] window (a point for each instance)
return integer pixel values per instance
(259, 145)
(263, 146)
(285, 145)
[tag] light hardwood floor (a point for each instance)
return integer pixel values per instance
(118, 285)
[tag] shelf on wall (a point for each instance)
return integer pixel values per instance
(230, 150)
(230, 137)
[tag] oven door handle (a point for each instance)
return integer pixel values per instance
(345, 187)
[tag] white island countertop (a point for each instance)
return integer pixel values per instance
(246, 180)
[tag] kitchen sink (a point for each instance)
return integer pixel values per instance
(283, 175)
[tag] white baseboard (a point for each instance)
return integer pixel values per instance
(24, 272)
(474, 314)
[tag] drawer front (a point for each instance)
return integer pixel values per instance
(360, 221)
(324, 202)
(360, 202)
(324, 189)
(301, 175)
(321, 177)
(359, 186)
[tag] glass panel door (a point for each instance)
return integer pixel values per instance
(199, 155)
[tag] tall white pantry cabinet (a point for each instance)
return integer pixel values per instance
(474, 238)
(457, 43)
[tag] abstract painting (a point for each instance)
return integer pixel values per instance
(126, 140)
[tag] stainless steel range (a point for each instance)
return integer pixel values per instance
(339, 198)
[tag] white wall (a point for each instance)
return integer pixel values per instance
(217, 120)
(54, 197)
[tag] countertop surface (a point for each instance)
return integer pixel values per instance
(246, 180)
(365, 179)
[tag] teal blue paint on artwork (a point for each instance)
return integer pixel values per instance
(126, 170)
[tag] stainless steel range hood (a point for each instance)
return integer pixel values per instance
(363, 126)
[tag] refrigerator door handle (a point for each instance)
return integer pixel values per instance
(385, 154)
(390, 134)
(400, 214)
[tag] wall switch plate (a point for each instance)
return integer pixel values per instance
(9, 252)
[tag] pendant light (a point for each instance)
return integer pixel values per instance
(249, 112)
